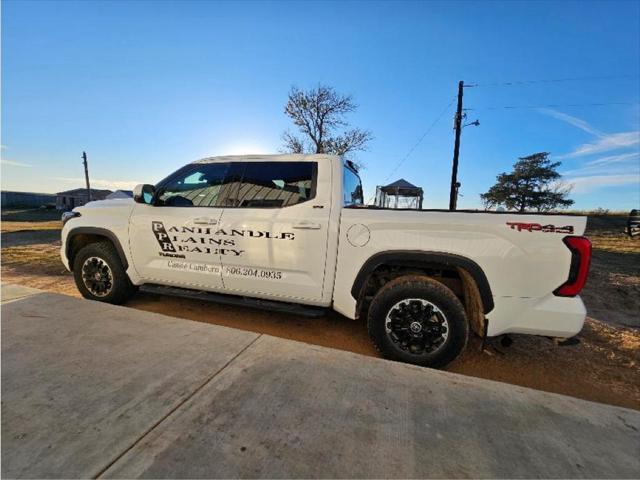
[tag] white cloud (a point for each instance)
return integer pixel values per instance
(611, 164)
(575, 121)
(606, 143)
(100, 183)
(613, 159)
(11, 163)
(590, 183)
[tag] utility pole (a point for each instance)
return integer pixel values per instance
(458, 126)
(86, 175)
(453, 195)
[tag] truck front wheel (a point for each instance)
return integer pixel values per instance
(415, 319)
(99, 274)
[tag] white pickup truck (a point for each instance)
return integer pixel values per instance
(292, 230)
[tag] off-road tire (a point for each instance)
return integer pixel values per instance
(433, 292)
(121, 288)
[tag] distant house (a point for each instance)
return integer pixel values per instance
(121, 194)
(26, 199)
(77, 197)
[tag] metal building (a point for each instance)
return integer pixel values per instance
(70, 199)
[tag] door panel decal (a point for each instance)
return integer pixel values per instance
(178, 241)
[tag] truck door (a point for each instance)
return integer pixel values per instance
(278, 223)
(174, 241)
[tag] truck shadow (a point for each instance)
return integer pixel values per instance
(331, 330)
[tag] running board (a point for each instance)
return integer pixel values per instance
(292, 308)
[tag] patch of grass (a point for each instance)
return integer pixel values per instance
(28, 219)
(603, 212)
(615, 243)
(42, 259)
(607, 234)
(7, 227)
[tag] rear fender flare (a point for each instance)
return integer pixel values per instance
(419, 258)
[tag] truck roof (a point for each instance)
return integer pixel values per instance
(290, 157)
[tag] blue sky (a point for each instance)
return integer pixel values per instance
(145, 87)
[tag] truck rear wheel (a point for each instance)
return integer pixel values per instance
(99, 274)
(415, 319)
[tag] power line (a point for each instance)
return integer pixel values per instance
(411, 150)
(550, 80)
(553, 105)
(402, 160)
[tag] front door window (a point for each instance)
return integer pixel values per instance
(198, 185)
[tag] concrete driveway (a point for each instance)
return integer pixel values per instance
(94, 390)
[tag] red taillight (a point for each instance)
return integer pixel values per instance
(580, 259)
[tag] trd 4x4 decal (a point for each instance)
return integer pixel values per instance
(536, 227)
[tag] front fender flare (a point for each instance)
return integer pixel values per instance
(101, 232)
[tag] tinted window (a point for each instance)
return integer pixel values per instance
(275, 184)
(199, 185)
(351, 188)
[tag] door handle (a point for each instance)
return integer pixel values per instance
(306, 225)
(205, 221)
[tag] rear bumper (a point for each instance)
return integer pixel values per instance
(549, 316)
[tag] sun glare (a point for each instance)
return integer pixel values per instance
(243, 149)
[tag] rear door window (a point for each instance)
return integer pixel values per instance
(274, 185)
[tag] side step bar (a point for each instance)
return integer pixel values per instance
(291, 308)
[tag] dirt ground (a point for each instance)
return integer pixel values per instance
(603, 367)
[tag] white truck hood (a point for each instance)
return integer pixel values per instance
(98, 206)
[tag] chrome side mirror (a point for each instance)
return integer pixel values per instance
(143, 193)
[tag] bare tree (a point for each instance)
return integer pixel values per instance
(319, 114)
